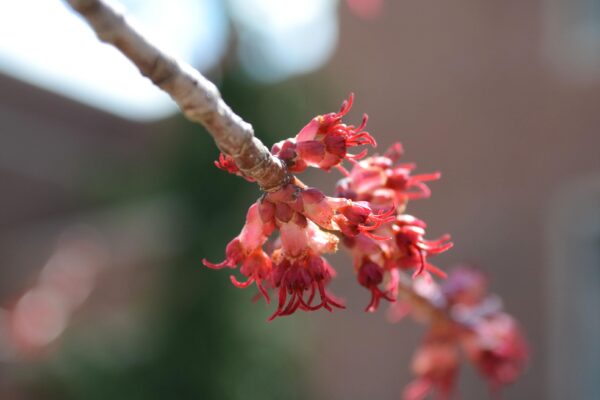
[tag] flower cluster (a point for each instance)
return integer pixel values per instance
(366, 214)
(489, 338)
(280, 249)
(306, 221)
(399, 245)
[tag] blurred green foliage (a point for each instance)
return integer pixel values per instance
(207, 339)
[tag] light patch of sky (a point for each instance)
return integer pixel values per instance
(281, 38)
(43, 42)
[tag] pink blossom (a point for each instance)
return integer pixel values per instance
(287, 232)
(324, 142)
(299, 277)
(436, 366)
(413, 249)
(498, 349)
(465, 286)
(382, 182)
(246, 249)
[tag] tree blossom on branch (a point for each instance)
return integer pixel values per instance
(478, 329)
(366, 215)
(291, 226)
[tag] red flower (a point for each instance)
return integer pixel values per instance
(436, 365)
(300, 277)
(325, 140)
(498, 349)
(246, 249)
(466, 286)
(299, 269)
(286, 151)
(412, 249)
(383, 184)
(227, 164)
(349, 217)
(370, 275)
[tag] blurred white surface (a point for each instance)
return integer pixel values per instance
(43, 42)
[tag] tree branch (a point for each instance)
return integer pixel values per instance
(201, 102)
(197, 97)
(433, 313)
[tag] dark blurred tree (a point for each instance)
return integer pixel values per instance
(212, 342)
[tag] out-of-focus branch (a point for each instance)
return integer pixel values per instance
(198, 98)
(421, 304)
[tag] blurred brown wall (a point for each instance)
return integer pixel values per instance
(49, 146)
(465, 87)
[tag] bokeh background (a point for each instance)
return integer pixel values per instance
(109, 199)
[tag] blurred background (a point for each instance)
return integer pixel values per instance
(109, 198)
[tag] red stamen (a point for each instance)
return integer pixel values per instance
(222, 264)
(241, 285)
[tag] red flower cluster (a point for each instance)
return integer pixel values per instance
(281, 247)
(399, 244)
(367, 213)
(436, 364)
(305, 219)
(488, 337)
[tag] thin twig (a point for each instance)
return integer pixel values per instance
(198, 98)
